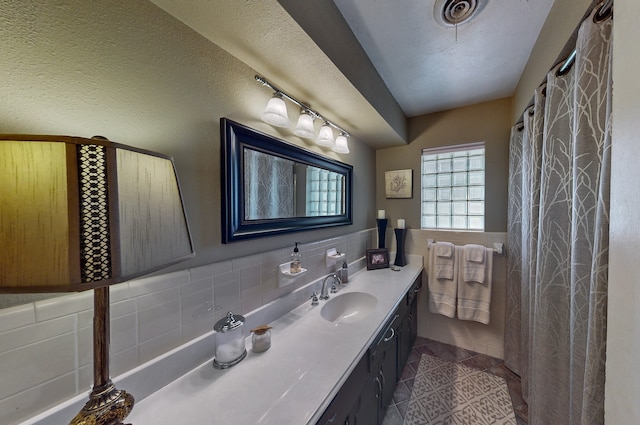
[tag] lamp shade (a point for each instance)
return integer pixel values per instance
(341, 144)
(325, 137)
(305, 128)
(276, 112)
(79, 214)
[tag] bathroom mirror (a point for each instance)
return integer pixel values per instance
(271, 187)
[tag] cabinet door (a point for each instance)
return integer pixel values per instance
(388, 369)
(368, 410)
(405, 343)
(340, 411)
(413, 321)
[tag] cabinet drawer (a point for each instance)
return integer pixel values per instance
(384, 338)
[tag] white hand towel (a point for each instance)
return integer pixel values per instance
(474, 253)
(444, 249)
(443, 260)
(474, 298)
(443, 291)
(474, 264)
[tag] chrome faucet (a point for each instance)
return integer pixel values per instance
(324, 294)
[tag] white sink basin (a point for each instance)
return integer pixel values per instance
(349, 307)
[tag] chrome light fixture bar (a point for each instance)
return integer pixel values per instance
(302, 130)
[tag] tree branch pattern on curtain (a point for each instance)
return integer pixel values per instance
(558, 226)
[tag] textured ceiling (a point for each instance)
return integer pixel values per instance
(368, 65)
(429, 67)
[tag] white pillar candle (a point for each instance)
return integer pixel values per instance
(401, 223)
(381, 214)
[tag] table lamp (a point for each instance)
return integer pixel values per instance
(81, 214)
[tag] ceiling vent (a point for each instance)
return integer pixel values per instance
(451, 13)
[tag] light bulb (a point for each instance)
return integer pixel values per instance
(276, 112)
(305, 128)
(325, 137)
(341, 144)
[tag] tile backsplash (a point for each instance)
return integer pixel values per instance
(46, 345)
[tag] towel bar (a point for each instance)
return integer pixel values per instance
(498, 247)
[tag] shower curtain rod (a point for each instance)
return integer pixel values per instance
(603, 11)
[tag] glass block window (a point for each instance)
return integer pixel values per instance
(453, 187)
(325, 192)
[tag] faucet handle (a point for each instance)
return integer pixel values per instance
(314, 299)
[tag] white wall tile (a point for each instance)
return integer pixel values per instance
(195, 329)
(123, 361)
(155, 347)
(84, 344)
(122, 308)
(119, 292)
(116, 309)
(211, 270)
(36, 364)
(17, 317)
(85, 378)
(123, 333)
(158, 297)
(37, 332)
(85, 318)
(197, 307)
(37, 399)
(250, 300)
(245, 262)
(62, 306)
(226, 294)
(158, 320)
(139, 287)
(197, 286)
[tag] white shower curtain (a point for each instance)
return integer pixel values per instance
(558, 225)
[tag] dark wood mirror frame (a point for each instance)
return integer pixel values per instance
(234, 138)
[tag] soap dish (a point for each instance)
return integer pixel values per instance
(333, 256)
(285, 277)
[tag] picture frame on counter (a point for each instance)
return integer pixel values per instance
(377, 258)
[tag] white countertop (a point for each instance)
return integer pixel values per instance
(295, 380)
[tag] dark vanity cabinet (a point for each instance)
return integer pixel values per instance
(408, 329)
(366, 394)
(383, 375)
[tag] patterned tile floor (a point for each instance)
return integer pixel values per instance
(395, 412)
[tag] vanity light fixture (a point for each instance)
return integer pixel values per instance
(304, 127)
(78, 214)
(341, 144)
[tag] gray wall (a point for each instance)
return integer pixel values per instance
(129, 71)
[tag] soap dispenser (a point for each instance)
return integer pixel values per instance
(344, 273)
(296, 260)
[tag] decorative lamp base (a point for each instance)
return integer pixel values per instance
(401, 259)
(106, 406)
(382, 230)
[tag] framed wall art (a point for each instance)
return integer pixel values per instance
(398, 184)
